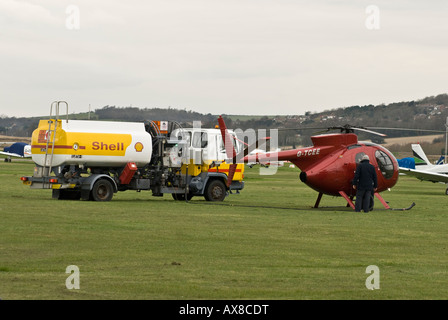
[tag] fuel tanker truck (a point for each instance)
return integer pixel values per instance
(92, 160)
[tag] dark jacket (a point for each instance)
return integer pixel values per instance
(365, 176)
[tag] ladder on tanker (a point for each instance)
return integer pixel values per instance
(51, 135)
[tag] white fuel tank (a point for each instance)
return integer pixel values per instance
(91, 143)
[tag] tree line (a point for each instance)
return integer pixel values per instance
(429, 113)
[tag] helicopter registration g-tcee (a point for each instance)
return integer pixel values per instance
(309, 152)
(330, 164)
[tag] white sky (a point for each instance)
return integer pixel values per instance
(220, 56)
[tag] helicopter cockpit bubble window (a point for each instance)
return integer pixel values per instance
(385, 164)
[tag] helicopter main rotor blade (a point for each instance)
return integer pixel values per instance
(300, 129)
(406, 129)
(348, 128)
(370, 131)
(345, 128)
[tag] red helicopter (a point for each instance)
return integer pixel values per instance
(330, 164)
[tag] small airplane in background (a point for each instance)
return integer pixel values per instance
(441, 160)
(17, 150)
(267, 164)
(420, 167)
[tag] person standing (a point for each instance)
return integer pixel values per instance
(365, 183)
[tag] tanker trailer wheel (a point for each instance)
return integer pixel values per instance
(215, 191)
(102, 190)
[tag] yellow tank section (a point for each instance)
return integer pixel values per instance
(197, 169)
(94, 143)
(79, 143)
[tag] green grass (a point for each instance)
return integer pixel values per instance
(265, 243)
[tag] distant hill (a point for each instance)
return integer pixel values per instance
(429, 113)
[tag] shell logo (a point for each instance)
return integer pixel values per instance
(138, 147)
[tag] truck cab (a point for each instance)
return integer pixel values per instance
(205, 162)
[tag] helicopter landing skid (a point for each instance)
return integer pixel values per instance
(383, 202)
(352, 205)
(389, 208)
(380, 198)
(343, 194)
(349, 200)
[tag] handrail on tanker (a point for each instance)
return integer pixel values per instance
(56, 104)
(51, 133)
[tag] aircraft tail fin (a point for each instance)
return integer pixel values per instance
(227, 138)
(228, 144)
(230, 150)
(419, 155)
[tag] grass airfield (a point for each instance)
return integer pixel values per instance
(265, 243)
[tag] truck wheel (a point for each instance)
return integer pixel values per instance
(102, 190)
(215, 191)
(181, 196)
